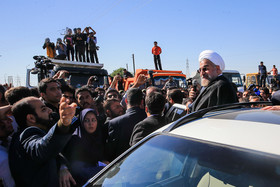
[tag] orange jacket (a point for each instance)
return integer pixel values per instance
(156, 50)
(50, 52)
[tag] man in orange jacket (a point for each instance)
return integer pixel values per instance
(156, 50)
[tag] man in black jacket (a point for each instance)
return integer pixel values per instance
(79, 40)
(217, 90)
(50, 92)
(120, 128)
(155, 120)
(34, 155)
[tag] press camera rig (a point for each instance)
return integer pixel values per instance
(42, 66)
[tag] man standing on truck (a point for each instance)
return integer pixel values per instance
(86, 31)
(92, 41)
(217, 90)
(156, 51)
(263, 74)
(68, 40)
(79, 40)
(274, 72)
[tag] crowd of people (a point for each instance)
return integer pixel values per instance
(80, 46)
(57, 135)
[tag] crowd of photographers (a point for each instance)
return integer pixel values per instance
(57, 135)
(78, 46)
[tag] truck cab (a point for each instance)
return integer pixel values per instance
(158, 78)
(254, 78)
(234, 77)
(79, 72)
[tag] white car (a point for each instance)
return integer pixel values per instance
(221, 146)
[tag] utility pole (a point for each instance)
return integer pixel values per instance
(187, 68)
(126, 66)
(133, 63)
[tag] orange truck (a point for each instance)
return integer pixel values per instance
(158, 78)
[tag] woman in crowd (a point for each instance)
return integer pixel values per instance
(85, 150)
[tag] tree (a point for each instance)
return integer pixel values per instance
(117, 71)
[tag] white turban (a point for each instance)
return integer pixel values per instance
(213, 57)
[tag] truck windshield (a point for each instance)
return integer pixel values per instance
(271, 79)
(161, 80)
(79, 80)
(234, 77)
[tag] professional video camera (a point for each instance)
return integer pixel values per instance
(42, 66)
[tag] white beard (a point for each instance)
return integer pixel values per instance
(205, 82)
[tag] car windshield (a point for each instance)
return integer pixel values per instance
(173, 161)
(161, 80)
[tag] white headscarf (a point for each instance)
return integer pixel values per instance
(213, 57)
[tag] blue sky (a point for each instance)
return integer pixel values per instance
(243, 32)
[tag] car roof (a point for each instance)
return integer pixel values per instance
(253, 129)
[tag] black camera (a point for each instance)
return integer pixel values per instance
(43, 65)
(195, 88)
(94, 78)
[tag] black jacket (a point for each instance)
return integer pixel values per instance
(220, 91)
(34, 157)
(120, 130)
(146, 127)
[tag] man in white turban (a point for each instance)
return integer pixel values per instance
(217, 90)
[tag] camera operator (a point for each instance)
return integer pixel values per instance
(68, 39)
(92, 41)
(61, 48)
(79, 40)
(50, 48)
(87, 35)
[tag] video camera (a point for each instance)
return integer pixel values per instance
(42, 66)
(42, 62)
(94, 78)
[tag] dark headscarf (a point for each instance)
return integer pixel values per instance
(90, 147)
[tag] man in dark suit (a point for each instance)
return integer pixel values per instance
(154, 109)
(34, 154)
(217, 90)
(120, 128)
